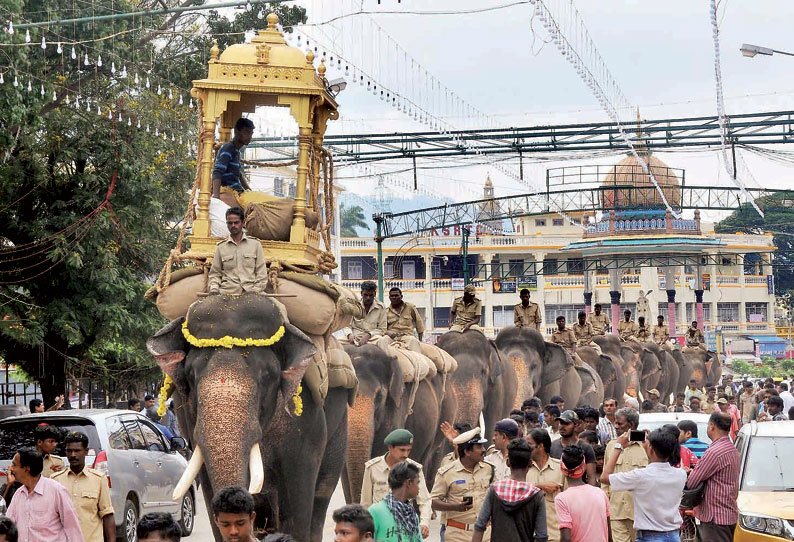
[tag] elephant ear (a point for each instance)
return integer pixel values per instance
(556, 363)
(396, 381)
(294, 347)
(494, 363)
(606, 369)
(169, 347)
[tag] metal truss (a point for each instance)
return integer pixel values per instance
(745, 129)
(588, 200)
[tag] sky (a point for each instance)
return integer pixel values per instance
(660, 53)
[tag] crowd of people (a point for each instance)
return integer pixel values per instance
(570, 475)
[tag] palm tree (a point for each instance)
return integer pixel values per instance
(352, 217)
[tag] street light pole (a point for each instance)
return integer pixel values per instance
(750, 51)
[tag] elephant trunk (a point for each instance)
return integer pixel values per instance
(227, 426)
(360, 429)
(526, 387)
(469, 394)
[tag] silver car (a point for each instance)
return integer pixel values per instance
(142, 465)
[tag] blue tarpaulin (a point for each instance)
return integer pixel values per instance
(770, 345)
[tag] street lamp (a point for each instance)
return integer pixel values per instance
(752, 50)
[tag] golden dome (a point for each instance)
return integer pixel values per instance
(271, 44)
(630, 173)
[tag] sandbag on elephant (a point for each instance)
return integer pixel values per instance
(237, 366)
(270, 217)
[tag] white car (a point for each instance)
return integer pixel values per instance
(655, 420)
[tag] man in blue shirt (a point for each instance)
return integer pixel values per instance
(227, 162)
(689, 438)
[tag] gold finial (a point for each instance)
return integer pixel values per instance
(321, 69)
(272, 21)
(214, 51)
(310, 58)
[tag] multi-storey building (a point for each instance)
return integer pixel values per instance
(735, 288)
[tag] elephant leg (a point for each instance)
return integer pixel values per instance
(449, 406)
(333, 460)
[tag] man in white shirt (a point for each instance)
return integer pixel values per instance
(785, 394)
(656, 489)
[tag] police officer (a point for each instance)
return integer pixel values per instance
(643, 334)
(661, 335)
(375, 485)
(89, 490)
(526, 313)
(583, 331)
(627, 328)
(504, 431)
(466, 311)
(460, 487)
(401, 320)
(563, 336)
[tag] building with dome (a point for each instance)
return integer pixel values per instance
(734, 294)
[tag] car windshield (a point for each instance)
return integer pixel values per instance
(19, 433)
(702, 427)
(767, 467)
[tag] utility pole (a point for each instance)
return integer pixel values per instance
(465, 241)
(378, 218)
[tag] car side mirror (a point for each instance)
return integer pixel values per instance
(178, 443)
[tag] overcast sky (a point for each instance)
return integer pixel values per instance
(659, 52)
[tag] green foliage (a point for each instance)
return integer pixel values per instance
(778, 221)
(771, 367)
(71, 303)
(352, 217)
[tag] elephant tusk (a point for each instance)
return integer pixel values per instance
(256, 470)
(192, 470)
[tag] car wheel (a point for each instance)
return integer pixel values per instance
(130, 521)
(188, 514)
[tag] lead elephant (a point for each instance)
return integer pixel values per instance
(384, 403)
(705, 365)
(237, 365)
(643, 366)
(614, 385)
(684, 369)
(668, 381)
(484, 380)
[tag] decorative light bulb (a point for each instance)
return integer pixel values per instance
(191, 103)
(147, 129)
(110, 114)
(74, 53)
(170, 94)
(180, 140)
(10, 28)
(181, 102)
(99, 61)
(42, 91)
(124, 71)
(98, 110)
(60, 49)
(54, 97)
(159, 90)
(77, 101)
(137, 81)
(248, 6)
(30, 87)
(113, 67)
(139, 124)
(88, 106)
(172, 137)
(148, 84)
(43, 43)
(27, 36)
(85, 61)
(157, 132)
(67, 99)
(120, 119)
(261, 14)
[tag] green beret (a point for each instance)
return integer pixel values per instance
(399, 437)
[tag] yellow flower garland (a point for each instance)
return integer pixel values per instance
(297, 401)
(229, 341)
(164, 393)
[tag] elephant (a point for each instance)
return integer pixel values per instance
(237, 366)
(607, 371)
(484, 382)
(542, 368)
(669, 372)
(706, 366)
(383, 404)
(642, 366)
(615, 385)
(592, 393)
(684, 369)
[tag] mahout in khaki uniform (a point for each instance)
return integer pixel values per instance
(564, 336)
(466, 311)
(694, 337)
(661, 334)
(238, 265)
(598, 320)
(643, 334)
(372, 325)
(401, 320)
(627, 328)
(527, 313)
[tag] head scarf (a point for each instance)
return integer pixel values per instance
(404, 515)
(577, 472)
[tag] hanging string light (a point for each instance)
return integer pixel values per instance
(43, 43)
(27, 36)
(60, 48)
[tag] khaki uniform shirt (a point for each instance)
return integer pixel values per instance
(453, 482)
(549, 474)
(621, 503)
(584, 334)
(49, 461)
(527, 316)
(447, 460)
(465, 314)
(600, 322)
(709, 406)
(404, 321)
(91, 498)
(643, 334)
(499, 462)
(564, 338)
(627, 330)
(694, 339)
(376, 485)
(238, 268)
(373, 322)
(661, 334)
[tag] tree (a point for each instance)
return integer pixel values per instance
(89, 205)
(352, 217)
(777, 220)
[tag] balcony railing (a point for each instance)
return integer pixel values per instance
(755, 279)
(727, 279)
(626, 223)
